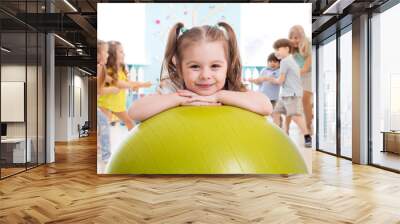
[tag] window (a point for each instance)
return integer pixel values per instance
(22, 66)
(130, 34)
(327, 95)
(346, 94)
(385, 87)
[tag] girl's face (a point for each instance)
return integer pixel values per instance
(102, 54)
(120, 55)
(204, 67)
(295, 40)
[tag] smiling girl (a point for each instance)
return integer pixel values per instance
(204, 64)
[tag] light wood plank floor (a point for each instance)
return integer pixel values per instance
(70, 191)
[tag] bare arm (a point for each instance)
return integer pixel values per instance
(250, 100)
(278, 81)
(306, 67)
(259, 80)
(137, 85)
(151, 105)
(132, 84)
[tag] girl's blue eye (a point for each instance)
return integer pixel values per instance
(216, 66)
(194, 66)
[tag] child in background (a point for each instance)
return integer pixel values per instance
(269, 89)
(204, 63)
(116, 69)
(290, 102)
(103, 131)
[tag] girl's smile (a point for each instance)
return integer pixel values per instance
(204, 85)
(204, 67)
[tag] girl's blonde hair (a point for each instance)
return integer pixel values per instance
(101, 78)
(180, 38)
(112, 61)
(304, 47)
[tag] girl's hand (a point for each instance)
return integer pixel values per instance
(181, 100)
(186, 93)
(207, 99)
(201, 103)
(268, 79)
(145, 84)
(195, 97)
(256, 80)
(134, 85)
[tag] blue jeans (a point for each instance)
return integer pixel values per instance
(103, 135)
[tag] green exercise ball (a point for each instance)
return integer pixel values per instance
(207, 140)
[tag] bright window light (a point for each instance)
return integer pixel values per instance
(262, 24)
(126, 23)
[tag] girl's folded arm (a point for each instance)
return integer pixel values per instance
(249, 100)
(151, 105)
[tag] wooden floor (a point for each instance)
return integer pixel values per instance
(70, 191)
(10, 171)
(387, 159)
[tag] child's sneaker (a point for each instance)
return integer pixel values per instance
(307, 141)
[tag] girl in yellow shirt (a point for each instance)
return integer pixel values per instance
(116, 102)
(103, 131)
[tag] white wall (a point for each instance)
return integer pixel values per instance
(14, 73)
(390, 69)
(34, 124)
(262, 24)
(69, 85)
(82, 83)
(129, 19)
(61, 103)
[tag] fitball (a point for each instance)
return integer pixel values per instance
(207, 140)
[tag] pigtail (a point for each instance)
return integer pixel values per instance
(170, 57)
(233, 78)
